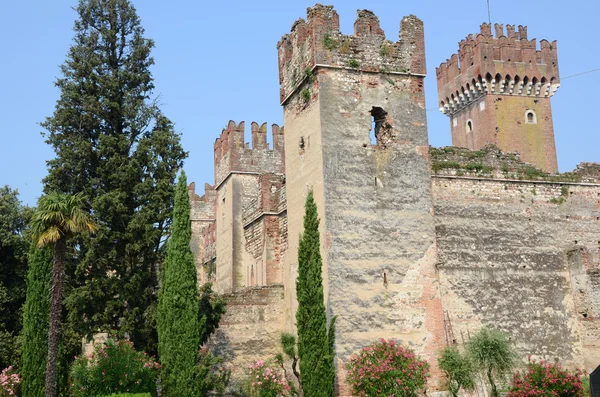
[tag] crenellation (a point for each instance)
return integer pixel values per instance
(513, 78)
(232, 154)
(319, 44)
(367, 24)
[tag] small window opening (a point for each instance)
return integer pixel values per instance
(469, 126)
(530, 117)
(302, 143)
(379, 126)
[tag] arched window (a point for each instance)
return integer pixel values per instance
(530, 117)
(469, 126)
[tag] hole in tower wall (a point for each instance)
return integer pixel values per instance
(379, 127)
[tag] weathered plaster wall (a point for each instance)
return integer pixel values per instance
(510, 258)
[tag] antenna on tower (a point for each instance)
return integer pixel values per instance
(489, 15)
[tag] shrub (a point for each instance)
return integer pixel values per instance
(353, 63)
(266, 380)
(9, 382)
(210, 378)
(386, 369)
(544, 379)
(492, 353)
(458, 369)
(113, 368)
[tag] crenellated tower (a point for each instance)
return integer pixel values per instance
(497, 90)
(354, 111)
(239, 170)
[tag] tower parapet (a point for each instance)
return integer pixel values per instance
(233, 155)
(496, 90)
(317, 42)
(508, 64)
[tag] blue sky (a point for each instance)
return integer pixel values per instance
(217, 61)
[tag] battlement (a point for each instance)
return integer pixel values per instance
(202, 207)
(317, 43)
(232, 154)
(507, 64)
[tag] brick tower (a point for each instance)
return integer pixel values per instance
(497, 90)
(354, 112)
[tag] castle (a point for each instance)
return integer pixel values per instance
(419, 244)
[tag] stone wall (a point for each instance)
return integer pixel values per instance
(251, 328)
(523, 257)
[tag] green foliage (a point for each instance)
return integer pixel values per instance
(545, 379)
(354, 64)
(177, 317)
(439, 165)
(113, 144)
(385, 369)
(329, 42)
(532, 172)
(60, 217)
(306, 95)
(492, 353)
(386, 50)
(14, 243)
(35, 322)
(113, 368)
(130, 395)
(315, 343)
(310, 75)
(478, 167)
(289, 347)
(585, 382)
(211, 307)
(458, 368)
(211, 380)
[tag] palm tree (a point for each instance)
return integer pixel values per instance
(58, 218)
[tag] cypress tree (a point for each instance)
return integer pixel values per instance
(315, 343)
(35, 322)
(114, 145)
(177, 318)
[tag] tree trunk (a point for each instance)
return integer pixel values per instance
(56, 288)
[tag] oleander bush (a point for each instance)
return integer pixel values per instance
(385, 369)
(10, 382)
(545, 379)
(114, 368)
(265, 379)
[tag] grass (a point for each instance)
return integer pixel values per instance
(329, 42)
(306, 95)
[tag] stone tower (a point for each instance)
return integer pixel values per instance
(373, 194)
(497, 90)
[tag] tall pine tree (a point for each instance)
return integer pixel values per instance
(35, 322)
(178, 328)
(315, 342)
(114, 145)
